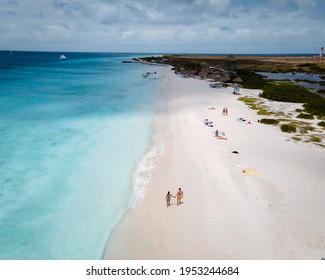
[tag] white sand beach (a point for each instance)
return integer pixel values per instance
(277, 213)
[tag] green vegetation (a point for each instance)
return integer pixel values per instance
(311, 68)
(296, 138)
(252, 104)
(263, 112)
(248, 100)
(304, 129)
(314, 104)
(288, 128)
(193, 66)
(305, 116)
(279, 114)
(254, 107)
(322, 124)
(287, 93)
(315, 139)
(269, 121)
(251, 79)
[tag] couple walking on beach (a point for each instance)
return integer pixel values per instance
(178, 196)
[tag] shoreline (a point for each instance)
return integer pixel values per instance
(146, 166)
(143, 173)
(226, 214)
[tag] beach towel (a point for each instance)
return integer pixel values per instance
(241, 120)
(250, 172)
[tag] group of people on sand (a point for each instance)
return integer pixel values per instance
(179, 196)
(218, 135)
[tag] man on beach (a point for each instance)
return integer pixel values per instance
(179, 196)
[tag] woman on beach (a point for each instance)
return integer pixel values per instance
(179, 196)
(168, 197)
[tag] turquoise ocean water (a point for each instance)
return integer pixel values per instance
(71, 134)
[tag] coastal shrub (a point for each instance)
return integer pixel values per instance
(251, 102)
(254, 106)
(150, 58)
(289, 128)
(304, 129)
(279, 114)
(321, 124)
(287, 93)
(311, 68)
(193, 66)
(313, 103)
(296, 138)
(251, 79)
(305, 64)
(269, 121)
(248, 100)
(315, 139)
(316, 68)
(263, 112)
(316, 106)
(305, 116)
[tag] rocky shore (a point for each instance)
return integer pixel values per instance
(236, 69)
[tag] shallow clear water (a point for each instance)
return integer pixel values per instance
(313, 82)
(71, 134)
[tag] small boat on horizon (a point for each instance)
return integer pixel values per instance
(62, 57)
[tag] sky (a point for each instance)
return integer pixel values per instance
(164, 26)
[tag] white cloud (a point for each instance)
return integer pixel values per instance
(104, 25)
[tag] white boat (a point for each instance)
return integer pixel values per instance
(62, 57)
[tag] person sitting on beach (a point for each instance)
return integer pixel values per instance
(179, 196)
(168, 197)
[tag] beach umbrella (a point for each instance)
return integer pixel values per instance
(236, 85)
(224, 78)
(237, 80)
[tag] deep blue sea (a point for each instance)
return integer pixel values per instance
(71, 134)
